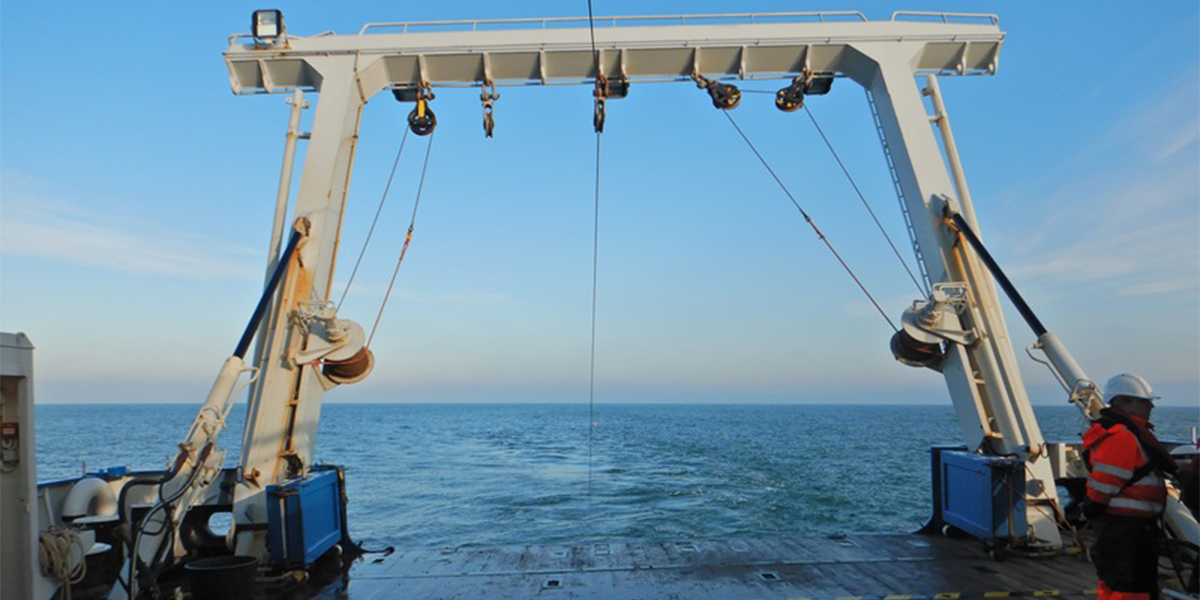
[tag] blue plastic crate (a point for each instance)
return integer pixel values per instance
(304, 518)
(983, 495)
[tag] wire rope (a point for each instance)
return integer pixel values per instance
(407, 240)
(863, 198)
(375, 221)
(595, 279)
(857, 191)
(595, 265)
(810, 221)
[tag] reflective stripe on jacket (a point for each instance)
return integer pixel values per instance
(1114, 455)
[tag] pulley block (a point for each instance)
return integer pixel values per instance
(606, 88)
(489, 120)
(724, 96)
(598, 115)
(488, 99)
(791, 98)
(421, 120)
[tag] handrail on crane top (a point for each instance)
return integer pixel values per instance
(548, 22)
(944, 17)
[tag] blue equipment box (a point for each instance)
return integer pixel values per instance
(981, 495)
(305, 517)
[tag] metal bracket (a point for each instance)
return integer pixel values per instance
(938, 318)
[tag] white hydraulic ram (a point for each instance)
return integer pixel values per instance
(154, 540)
(1084, 394)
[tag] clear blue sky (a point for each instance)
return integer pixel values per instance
(136, 197)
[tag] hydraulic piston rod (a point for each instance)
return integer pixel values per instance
(1083, 390)
(998, 273)
(269, 292)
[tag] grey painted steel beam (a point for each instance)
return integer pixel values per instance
(750, 50)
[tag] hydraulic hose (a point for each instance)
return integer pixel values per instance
(1001, 278)
(268, 293)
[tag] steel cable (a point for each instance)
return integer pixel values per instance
(595, 265)
(857, 191)
(407, 239)
(863, 198)
(810, 221)
(375, 221)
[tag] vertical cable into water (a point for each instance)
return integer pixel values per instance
(595, 279)
(595, 266)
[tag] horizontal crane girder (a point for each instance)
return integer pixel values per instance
(755, 49)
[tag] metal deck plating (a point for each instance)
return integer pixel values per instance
(857, 567)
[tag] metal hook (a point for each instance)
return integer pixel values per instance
(489, 121)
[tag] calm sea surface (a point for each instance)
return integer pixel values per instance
(450, 475)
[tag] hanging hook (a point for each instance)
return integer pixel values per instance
(489, 121)
(421, 120)
(724, 96)
(600, 93)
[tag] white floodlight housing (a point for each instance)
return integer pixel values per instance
(267, 24)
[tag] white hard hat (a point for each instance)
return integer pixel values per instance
(1129, 385)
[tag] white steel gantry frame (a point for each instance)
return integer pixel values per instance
(885, 57)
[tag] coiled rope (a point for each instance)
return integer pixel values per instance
(55, 557)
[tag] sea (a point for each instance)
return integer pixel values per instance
(450, 475)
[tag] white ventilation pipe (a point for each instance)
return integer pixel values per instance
(83, 494)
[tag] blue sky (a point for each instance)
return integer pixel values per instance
(136, 197)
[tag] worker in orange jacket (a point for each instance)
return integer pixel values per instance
(1126, 490)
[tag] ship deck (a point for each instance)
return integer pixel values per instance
(858, 567)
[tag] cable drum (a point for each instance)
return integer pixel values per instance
(353, 361)
(356, 368)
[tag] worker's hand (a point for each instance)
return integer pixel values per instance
(1091, 510)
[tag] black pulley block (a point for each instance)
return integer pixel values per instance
(421, 120)
(724, 97)
(789, 99)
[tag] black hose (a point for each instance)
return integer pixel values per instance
(135, 532)
(268, 293)
(1001, 278)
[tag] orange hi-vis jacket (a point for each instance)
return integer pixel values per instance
(1114, 456)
